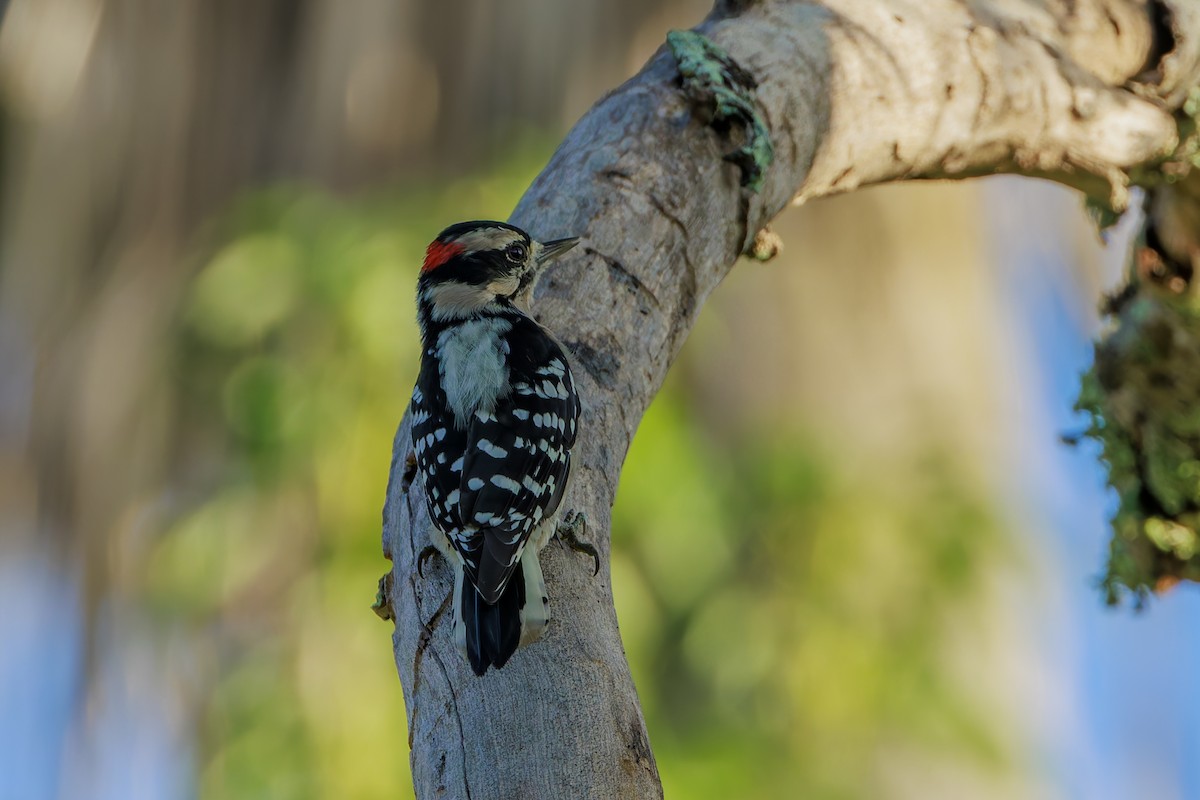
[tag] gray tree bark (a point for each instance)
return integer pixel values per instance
(853, 93)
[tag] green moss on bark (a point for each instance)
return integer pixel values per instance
(718, 85)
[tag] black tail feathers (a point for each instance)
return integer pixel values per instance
(493, 632)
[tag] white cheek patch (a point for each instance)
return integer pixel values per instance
(505, 286)
(454, 300)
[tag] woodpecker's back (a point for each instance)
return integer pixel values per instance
(494, 418)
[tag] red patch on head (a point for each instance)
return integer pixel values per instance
(439, 253)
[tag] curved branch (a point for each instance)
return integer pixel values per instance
(853, 92)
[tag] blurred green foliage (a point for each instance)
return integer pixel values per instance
(787, 621)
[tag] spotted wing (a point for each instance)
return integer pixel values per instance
(439, 446)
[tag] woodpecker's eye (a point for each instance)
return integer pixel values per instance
(515, 252)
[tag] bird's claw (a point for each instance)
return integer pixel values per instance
(424, 556)
(568, 532)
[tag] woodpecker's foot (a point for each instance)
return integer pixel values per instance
(568, 532)
(429, 552)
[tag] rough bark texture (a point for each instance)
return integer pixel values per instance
(853, 92)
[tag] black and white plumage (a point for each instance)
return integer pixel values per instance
(494, 418)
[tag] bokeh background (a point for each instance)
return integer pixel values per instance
(851, 557)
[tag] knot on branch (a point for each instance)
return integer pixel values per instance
(383, 598)
(767, 245)
(715, 83)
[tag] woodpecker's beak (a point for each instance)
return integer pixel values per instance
(554, 249)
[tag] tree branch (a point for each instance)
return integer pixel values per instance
(853, 92)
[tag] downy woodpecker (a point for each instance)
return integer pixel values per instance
(494, 416)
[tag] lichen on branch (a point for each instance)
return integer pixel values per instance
(725, 91)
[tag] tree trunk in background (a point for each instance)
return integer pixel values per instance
(116, 114)
(853, 93)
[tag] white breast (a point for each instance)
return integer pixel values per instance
(474, 366)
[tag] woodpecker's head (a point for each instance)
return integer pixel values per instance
(472, 266)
